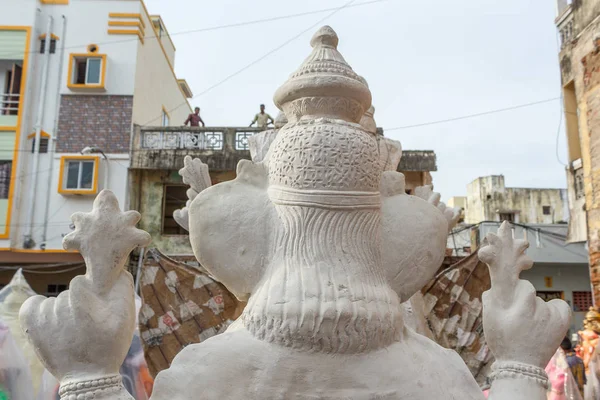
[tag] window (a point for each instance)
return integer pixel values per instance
(5, 171)
(546, 210)
(43, 45)
(579, 192)
(87, 70)
(54, 290)
(164, 117)
(159, 27)
(78, 175)
(582, 301)
(547, 296)
(175, 198)
(43, 145)
(510, 217)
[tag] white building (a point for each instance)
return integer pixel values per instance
(109, 65)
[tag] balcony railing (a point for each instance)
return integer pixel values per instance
(195, 138)
(9, 109)
(9, 104)
(164, 147)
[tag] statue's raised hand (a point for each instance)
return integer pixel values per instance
(519, 326)
(83, 335)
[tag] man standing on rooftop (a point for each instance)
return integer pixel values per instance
(262, 119)
(194, 119)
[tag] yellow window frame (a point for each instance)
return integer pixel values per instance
(61, 178)
(72, 58)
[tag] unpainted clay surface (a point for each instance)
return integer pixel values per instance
(325, 245)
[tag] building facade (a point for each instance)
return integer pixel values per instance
(157, 189)
(578, 23)
(488, 199)
(75, 77)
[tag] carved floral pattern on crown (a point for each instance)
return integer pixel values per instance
(323, 149)
(323, 154)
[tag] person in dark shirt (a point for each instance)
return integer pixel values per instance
(575, 364)
(194, 119)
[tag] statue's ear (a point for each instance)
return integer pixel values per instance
(231, 226)
(414, 235)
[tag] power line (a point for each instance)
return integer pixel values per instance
(225, 26)
(441, 121)
(239, 71)
(258, 59)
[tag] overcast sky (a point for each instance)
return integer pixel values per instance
(425, 61)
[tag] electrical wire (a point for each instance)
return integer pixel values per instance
(267, 54)
(498, 110)
(218, 27)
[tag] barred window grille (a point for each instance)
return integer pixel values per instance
(582, 301)
(5, 170)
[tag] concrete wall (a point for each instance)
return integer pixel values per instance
(487, 197)
(149, 186)
(416, 178)
(565, 278)
(580, 63)
(153, 66)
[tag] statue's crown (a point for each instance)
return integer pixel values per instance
(324, 75)
(323, 156)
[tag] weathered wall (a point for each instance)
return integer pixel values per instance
(487, 197)
(580, 63)
(39, 282)
(149, 186)
(416, 178)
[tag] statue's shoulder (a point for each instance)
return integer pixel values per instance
(415, 368)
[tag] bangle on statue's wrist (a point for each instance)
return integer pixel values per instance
(95, 388)
(517, 370)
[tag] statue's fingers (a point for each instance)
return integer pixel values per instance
(561, 314)
(29, 314)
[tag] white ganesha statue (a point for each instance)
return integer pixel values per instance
(325, 246)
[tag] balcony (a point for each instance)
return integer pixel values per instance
(9, 109)
(221, 148)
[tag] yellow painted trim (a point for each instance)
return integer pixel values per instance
(13, 174)
(165, 28)
(127, 32)
(128, 15)
(164, 52)
(187, 87)
(8, 128)
(72, 57)
(55, 2)
(52, 36)
(63, 160)
(128, 23)
(40, 251)
(32, 135)
(166, 112)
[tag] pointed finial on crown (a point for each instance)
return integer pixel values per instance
(324, 85)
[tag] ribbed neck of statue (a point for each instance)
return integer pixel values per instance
(324, 86)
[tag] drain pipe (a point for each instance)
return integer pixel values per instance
(29, 243)
(138, 273)
(54, 138)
